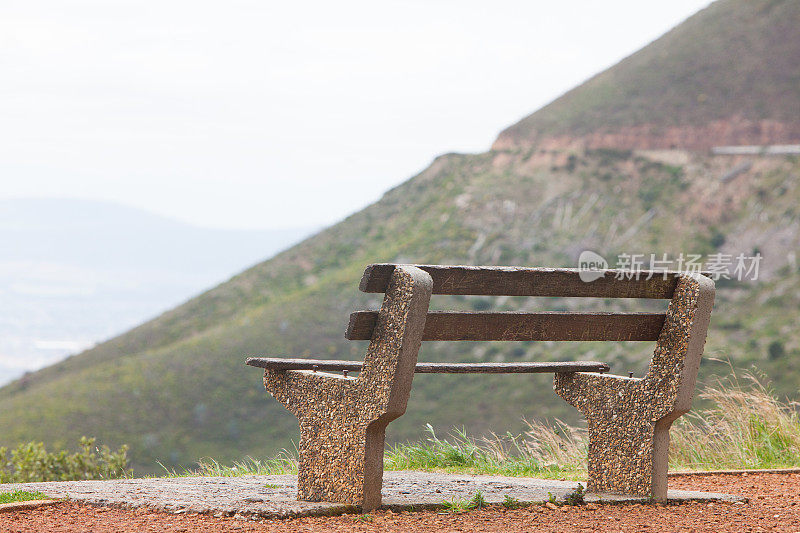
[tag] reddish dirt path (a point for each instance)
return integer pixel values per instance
(774, 506)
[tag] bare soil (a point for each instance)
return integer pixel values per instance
(774, 505)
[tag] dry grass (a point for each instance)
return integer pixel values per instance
(744, 426)
(543, 451)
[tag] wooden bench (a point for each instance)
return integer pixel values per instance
(343, 419)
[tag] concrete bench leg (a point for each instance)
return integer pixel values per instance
(627, 457)
(629, 418)
(343, 421)
(624, 455)
(341, 461)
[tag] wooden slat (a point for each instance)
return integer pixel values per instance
(361, 325)
(449, 326)
(517, 281)
(280, 364)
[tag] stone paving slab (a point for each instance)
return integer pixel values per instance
(275, 496)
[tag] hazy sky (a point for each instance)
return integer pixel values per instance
(270, 114)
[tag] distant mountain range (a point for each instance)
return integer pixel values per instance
(76, 272)
(620, 165)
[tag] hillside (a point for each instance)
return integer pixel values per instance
(176, 388)
(728, 75)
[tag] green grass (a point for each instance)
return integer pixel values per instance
(576, 497)
(509, 502)
(283, 463)
(745, 427)
(21, 496)
(459, 505)
(543, 452)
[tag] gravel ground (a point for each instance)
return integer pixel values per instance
(774, 505)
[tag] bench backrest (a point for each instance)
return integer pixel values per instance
(523, 326)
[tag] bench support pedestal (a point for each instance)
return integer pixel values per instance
(624, 457)
(343, 420)
(341, 463)
(629, 418)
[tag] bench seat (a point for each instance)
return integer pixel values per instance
(279, 363)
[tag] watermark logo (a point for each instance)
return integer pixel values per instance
(717, 266)
(591, 266)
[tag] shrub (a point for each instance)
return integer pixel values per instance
(776, 350)
(32, 462)
(572, 161)
(717, 238)
(576, 497)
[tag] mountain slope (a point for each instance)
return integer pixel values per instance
(728, 75)
(176, 389)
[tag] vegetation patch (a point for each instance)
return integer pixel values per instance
(576, 497)
(21, 496)
(32, 462)
(459, 505)
(744, 426)
(509, 502)
(542, 451)
(283, 463)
